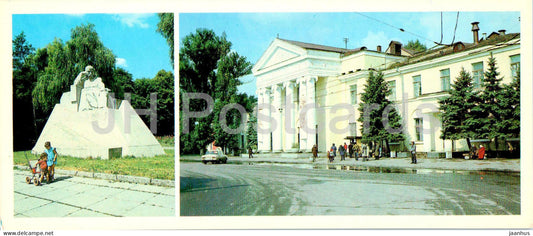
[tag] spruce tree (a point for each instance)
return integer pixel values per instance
(459, 109)
(491, 97)
(377, 124)
(509, 124)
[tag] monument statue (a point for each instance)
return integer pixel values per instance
(88, 92)
(89, 123)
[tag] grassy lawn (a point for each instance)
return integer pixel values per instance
(159, 167)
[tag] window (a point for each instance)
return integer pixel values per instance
(353, 129)
(477, 74)
(417, 85)
(392, 88)
(418, 129)
(445, 79)
(353, 94)
(515, 65)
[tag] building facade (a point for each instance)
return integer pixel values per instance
(310, 94)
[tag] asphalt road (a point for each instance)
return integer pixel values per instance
(87, 197)
(280, 189)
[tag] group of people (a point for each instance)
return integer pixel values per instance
(47, 162)
(478, 153)
(365, 151)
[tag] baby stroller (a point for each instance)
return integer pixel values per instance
(36, 172)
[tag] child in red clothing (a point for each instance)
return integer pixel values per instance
(44, 167)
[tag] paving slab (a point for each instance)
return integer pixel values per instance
(78, 196)
(102, 191)
(151, 210)
(115, 206)
(49, 210)
(86, 213)
(25, 204)
(58, 194)
(134, 196)
(162, 200)
(82, 200)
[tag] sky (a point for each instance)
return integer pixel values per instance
(138, 48)
(252, 33)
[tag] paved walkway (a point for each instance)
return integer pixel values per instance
(86, 197)
(495, 164)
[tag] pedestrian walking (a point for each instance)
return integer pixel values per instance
(250, 152)
(357, 152)
(315, 152)
(413, 152)
(345, 147)
(350, 150)
(342, 152)
(364, 151)
(481, 152)
(333, 150)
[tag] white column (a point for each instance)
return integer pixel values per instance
(426, 134)
(290, 116)
(263, 133)
(311, 114)
(277, 138)
(260, 123)
(302, 118)
(268, 126)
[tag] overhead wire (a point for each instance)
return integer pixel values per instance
(455, 30)
(398, 28)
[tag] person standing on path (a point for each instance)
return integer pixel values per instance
(250, 152)
(315, 152)
(350, 150)
(51, 161)
(342, 152)
(481, 152)
(413, 152)
(345, 147)
(364, 151)
(334, 150)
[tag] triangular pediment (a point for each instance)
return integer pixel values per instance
(279, 53)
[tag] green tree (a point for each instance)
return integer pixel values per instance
(24, 126)
(125, 80)
(59, 64)
(458, 110)
(199, 56)
(164, 81)
(490, 103)
(166, 28)
(416, 46)
(509, 124)
(230, 68)
(510, 109)
(163, 86)
(251, 132)
(381, 122)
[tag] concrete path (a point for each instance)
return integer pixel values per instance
(86, 197)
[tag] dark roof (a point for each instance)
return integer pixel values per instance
(343, 51)
(316, 46)
(448, 49)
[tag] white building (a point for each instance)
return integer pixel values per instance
(310, 93)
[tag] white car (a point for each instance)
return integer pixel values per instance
(214, 156)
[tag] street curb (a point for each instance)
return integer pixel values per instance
(112, 177)
(370, 163)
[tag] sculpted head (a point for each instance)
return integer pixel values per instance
(90, 72)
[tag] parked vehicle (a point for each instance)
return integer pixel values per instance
(215, 157)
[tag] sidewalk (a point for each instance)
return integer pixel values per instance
(495, 164)
(112, 177)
